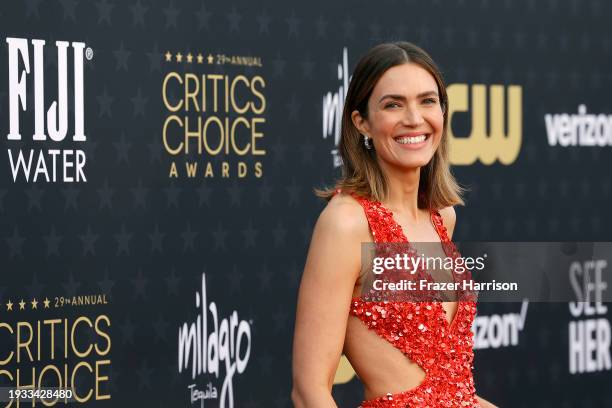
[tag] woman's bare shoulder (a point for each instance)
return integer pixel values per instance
(343, 214)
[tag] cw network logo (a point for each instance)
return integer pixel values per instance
(504, 106)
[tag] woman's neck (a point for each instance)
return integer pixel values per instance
(403, 191)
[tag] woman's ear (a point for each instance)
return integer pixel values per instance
(360, 123)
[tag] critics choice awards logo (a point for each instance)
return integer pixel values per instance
(215, 122)
(45, 138)
(59, 342)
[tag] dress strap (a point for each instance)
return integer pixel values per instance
(447, 244)
(438, 223)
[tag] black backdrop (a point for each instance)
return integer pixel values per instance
(136, 240)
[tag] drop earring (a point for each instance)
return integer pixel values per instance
(366, 142)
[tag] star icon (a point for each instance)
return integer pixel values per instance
(104, 11)
(15, 243)
(233, 19)
(34, 304)
(138, 12)
(264, 22)
(46, 302)
(9, 305)
(219, 235)
(22, 305)
(53, 240)
(179, 57)
(171, 15)
(89, 240)
(189, 58)
(121, 57)
(105, 100)
(123, 241)
(69, 6)
(168, 56)
(280, 234)
(139, 193)
(210, 58)
(173, 282)
(203, 17)
(156, 239)
(139, 102)
(155, 59)
(200, 58)
(188, 237)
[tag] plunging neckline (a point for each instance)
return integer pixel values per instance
(403, 236)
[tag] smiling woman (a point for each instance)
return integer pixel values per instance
(396, 96)
(404, 118)
(396, 183)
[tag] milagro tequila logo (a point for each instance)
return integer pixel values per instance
(44, 162)
(333, 104)
(206, 351)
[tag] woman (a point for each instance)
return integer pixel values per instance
(396, 177)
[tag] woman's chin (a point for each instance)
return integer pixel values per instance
(409, 161)
(410, 164)
(414, 162)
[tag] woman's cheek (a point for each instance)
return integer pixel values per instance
(388, 123)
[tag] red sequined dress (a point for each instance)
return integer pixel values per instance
(421, 330)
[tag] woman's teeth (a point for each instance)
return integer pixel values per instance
(411, 139)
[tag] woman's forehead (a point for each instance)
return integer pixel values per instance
(407, 79)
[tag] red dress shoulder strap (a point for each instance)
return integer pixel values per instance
(438, 223)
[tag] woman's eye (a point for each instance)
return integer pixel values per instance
(430, 100)
(392, 105)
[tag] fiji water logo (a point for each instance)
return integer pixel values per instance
(227, 345)
(45, 162)
(333, 104)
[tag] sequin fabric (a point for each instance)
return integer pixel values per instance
(421, 330)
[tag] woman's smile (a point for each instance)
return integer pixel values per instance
(413, 140)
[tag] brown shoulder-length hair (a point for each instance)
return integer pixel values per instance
(361, 173)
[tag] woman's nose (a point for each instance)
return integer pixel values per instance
(413, 116)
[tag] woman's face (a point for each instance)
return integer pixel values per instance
(405, 119)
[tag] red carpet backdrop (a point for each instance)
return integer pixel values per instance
(156, 175)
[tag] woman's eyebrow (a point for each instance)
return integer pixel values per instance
(391, 96)
(428, 93)
(403, 98)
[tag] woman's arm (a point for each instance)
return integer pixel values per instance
(332, 268)
(484, 403)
